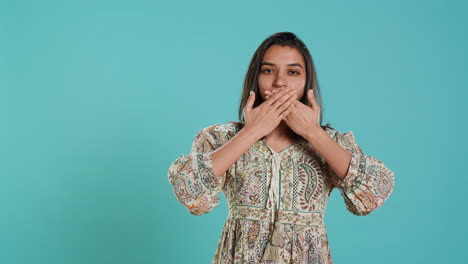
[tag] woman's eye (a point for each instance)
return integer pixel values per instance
(270, 71)
(295, 72)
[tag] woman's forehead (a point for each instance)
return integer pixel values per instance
(277, 54)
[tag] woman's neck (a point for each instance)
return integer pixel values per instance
(282, 132)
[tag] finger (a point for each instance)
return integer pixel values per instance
(250, 101)
(311, 97)
(282, 100)
(286, 112)
(269, 94)
(272, 99)
(286, 104)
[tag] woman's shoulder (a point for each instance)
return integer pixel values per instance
(231, 127)
(342, 137)
(220, 133)
(331, 131)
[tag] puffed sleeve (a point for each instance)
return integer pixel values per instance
(368, 183)
(191, 175)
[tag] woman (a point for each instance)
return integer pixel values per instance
(278, 166)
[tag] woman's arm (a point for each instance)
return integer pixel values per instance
(259, 121)
(337, 157)
(198, 177)
(225, 156)
(365, 182)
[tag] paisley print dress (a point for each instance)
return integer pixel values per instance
(276, 201)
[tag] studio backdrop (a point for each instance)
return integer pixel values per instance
(98, 98)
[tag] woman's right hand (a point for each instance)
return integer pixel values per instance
(262, 119)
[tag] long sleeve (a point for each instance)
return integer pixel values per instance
(368, 182)
(193, 180)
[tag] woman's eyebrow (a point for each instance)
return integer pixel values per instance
(272, 64)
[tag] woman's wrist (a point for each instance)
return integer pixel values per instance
(251, 132)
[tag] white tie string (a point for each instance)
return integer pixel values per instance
(272, 249)
(273, 191)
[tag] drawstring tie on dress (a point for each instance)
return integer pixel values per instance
(276, 229)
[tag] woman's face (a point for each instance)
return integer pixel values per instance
(282, 67)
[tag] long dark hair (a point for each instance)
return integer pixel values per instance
(251, 78)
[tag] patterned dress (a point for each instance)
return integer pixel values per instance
(276, 201)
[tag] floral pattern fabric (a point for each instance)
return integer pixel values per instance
(304, 183)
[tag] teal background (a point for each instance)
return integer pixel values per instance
(99, 97)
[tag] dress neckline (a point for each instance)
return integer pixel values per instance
(297, 143)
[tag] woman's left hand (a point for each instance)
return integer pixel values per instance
(303, 119)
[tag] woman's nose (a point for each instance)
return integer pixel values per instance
(279, 81)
